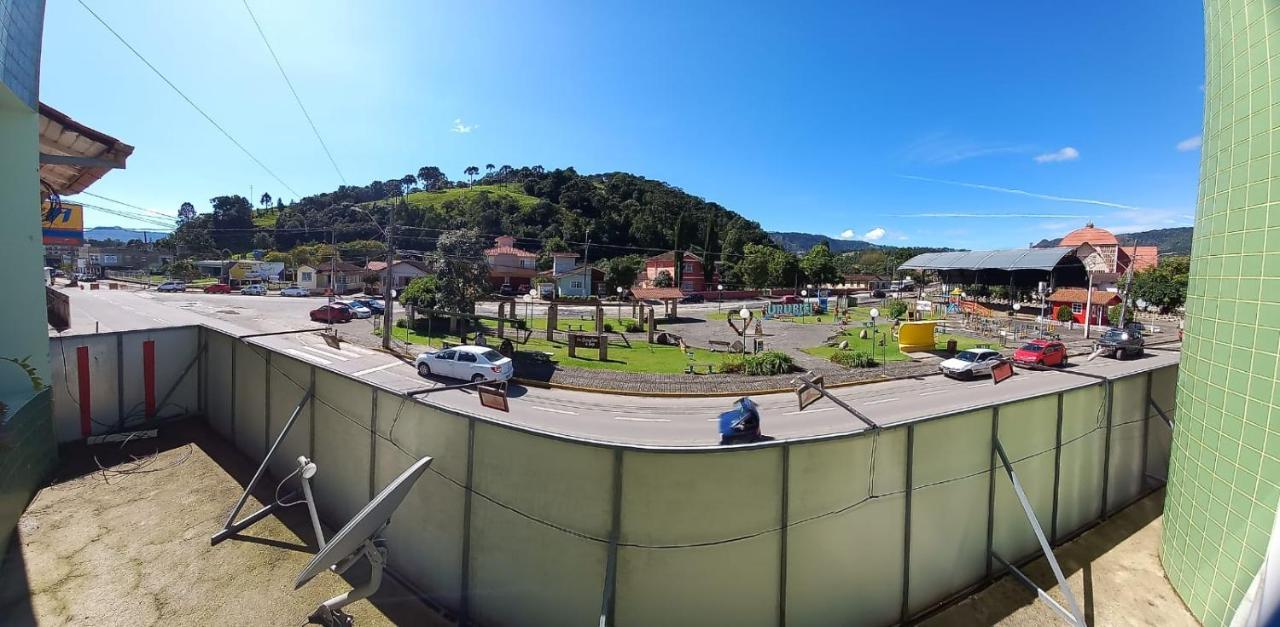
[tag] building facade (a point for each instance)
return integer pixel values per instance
(1224, 476)
(403, 271)
(1082, 305)
(1103, 252)
(510, 265)
(692, 278)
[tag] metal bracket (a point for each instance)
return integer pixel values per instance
(815, 384)
(231, 527)
(1073, 616)
(1163, 416)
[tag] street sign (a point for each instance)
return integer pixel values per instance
(493, 397)
(924, 305)
(1001, 371)
(809, 391)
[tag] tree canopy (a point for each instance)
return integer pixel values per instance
(1164, 285)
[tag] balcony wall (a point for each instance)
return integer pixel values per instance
(513, 527)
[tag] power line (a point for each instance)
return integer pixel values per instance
(121, 202)
(293, 91)
(186, 98)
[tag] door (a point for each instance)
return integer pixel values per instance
(444, 365)
(466, 365)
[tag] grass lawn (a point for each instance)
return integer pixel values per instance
(891, 352)
(267, 220)
(436, 198)
(641, 357)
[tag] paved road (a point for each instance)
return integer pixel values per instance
(669, 422)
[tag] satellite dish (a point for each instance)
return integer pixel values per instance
(363, 525)
(356, 540)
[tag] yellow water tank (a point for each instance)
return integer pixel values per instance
(916, 336)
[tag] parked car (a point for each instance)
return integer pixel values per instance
(357, 310)
(1041, 353)
(691, 298)
(218, 288)
(373, 305)
(970, 363)
(330, 313)
(506, 290)
(741, 425)
(469, 363)
(1121, 343)
(294, 290)
(877, 294)
(257, 289)
(59, 274)
(791, 300)
(168, 286)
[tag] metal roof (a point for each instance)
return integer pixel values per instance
(1016, 259)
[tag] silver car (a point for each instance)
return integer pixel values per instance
(968, 364)
(469, 363)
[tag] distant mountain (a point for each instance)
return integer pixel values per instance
(1175, 241)
(802, 242)
(99, 233)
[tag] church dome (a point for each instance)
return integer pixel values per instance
(1090, 235)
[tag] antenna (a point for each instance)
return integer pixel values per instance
(356, 539)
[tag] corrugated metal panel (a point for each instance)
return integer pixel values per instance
(1016, 259)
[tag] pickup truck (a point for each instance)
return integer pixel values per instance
(1120, 343)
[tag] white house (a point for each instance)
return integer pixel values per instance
(402, 271)
(347, 278)
(573, 280)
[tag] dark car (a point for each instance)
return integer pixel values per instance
(372, 305)
(331, 313)
(506, 290)
(740, 425)
(1120, 343)
(691, 298)
(877, 294)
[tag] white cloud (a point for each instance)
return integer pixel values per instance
(873, 234)
(1189, 144)
(848, 234)
(459, 127)
(948, 214)
(903, 238)
(1065, 154)
(944, 148)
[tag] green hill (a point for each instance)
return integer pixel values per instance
(438, 198)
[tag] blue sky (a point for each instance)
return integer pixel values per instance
(819, 117)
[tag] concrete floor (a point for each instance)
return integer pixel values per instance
(1113, 569)
(130, 546)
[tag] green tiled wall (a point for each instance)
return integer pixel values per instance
(1224, 477)
(27, 456)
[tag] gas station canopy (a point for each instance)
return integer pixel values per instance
(999, 267)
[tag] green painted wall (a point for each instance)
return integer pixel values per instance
(27, 456)
(1225, 466)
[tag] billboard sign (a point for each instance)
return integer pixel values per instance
(256, 270)
(62, 223)
(774, 310)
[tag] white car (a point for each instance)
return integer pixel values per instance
(294, 290)
(257, 289)
(970, 363)
(469, 363)
(357, 310)
(172, 286)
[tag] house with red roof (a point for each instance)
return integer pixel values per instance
(1102, 252)
(692, 280)
(1079, 300)
(509, 265)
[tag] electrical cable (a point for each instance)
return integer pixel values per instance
(186, 98)
(293, 91)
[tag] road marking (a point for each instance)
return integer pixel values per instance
(641, 419)
(356, 349)
(557, 411)
(713, 420)
(934, 392)
(977, 385)
(375, 369)
(808, 411)
(326, 353)
(311, 358)
(883, 400)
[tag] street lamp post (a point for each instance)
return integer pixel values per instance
(720, 301)
(804, 300)
(620, 290)
(1016, 308)
(875, 332)
(745, 314)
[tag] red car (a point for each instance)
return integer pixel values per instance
(218, 288)
(1041, 352)
(791, 300)
(330, 313)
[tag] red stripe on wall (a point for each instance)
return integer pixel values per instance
(86, 402)
(149, 375)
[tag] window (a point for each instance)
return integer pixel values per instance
(469, 358)
(492, 355)
(446, 354)
(306, 276)
(527, 263)
(1076, 308)
(688, 266)
(687, 286)
(577, 285)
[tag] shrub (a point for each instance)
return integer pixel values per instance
(635, 327)
(1064, 314)
(608, 327)
(853, 359)
(767, 363)
(731, 364)
(897, 308)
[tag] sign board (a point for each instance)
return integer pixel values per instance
(493, 397)
(924, 305)
(62, 223)
(795, 309)
(256, 270)
(585, 341)
(809, 392)
(1001, 371)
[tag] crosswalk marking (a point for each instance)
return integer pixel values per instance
(327, 353)
(307, 356)
(375, 369)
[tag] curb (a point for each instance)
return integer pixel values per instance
(546, 385)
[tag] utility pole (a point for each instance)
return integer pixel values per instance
(333, 271)
(387, 300)
(1128, 284)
